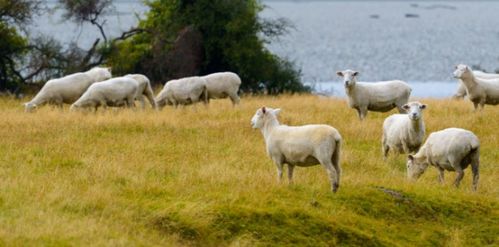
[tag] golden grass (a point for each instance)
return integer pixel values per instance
(200, 176)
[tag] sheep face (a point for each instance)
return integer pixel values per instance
(462, 71)
(415, 167)
(30, 107)
(349, 77)
(263, 115)
(414, 110)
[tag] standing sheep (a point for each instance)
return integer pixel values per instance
(379, 97)
(450, 149)
(67, 89)
(144, 89)
(461, 90)
(306, 145)
(113, 92)
(479, 91)
(183, 91)
(223, 85)
(404, 133)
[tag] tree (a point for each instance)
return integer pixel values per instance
(232, 37)
(14, 14)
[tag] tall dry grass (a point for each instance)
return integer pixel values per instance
(200, 176)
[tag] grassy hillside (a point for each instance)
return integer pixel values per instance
(200, 177)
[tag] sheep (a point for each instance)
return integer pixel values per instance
(223, 85)
(379, 97)
(113, 92)
(183, 91)
(485, 75)
(451, 149)
(404, 133)
(306, 145)
(461, 90)
(144, 89)
(67, 89)
(479, 91)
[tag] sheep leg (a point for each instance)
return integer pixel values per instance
(362, 113)
(441, 175)
(475, 104)
(278, 162)
(279, 171)
(482, 104)
(130, 101)
(332, 173)
(103, 103)
(475, 161)
(142, 102)
(290, 173)
(459, 177)
(384, 148)
(234, 98)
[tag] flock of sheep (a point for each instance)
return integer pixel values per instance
(95, 88)
(450, 149)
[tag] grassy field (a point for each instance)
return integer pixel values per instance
(200, 176)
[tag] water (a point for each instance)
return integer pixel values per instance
(373, 37)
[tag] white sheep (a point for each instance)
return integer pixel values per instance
(479, 91)
(450, 149)
(306, 145)
(144, 89)
(183, 91)
(117, 91)
(461, 90)
(223, 85)
(67, 89)
(485, 75)
(379, 97)
(404, 133)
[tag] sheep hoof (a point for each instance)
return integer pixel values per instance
(335, 187)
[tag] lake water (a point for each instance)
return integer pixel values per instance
(415, 41)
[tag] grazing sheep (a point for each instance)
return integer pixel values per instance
(144, 89)
(223, 85)
(183, 91)
(461, 90)
(404, 133)
(379, 97)
(67, 89)
(479, 91)
(450, 149)
(113, 92)
(306, 145)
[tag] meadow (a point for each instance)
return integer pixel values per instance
(199, 176)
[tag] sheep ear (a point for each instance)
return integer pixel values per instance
(410, 157)
(355, 73)
(264, 110)
(277, 111)
(455, 66)
(406, 107)
(422, 107)
(339, 73)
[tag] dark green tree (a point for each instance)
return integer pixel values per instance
(14, 15)
(232, 38)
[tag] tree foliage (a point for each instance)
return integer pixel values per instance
(14, 14)
(233, 39)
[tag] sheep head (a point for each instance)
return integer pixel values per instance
(349, 77)
(414, 110)
(263, 115)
